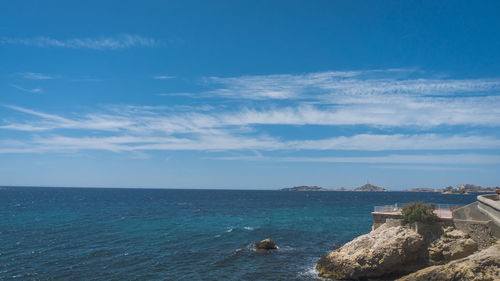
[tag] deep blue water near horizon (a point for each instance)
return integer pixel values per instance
(164, 234)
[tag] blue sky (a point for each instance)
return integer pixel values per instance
(249, 94)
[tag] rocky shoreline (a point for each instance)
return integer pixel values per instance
(412, 252)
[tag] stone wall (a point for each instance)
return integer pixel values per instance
(473, 220)
(380, 218)
(489, 204)
(479, 231)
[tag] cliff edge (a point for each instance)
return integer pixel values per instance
(393, 250)
(481, 266)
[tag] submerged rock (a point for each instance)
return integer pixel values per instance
(266, 244)
(451, 246)
(481, 266)
(383, 252)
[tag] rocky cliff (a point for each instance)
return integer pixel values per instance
(384, 251)
(481, 266)
(392, 251)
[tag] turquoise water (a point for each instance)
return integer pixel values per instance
(147, 234)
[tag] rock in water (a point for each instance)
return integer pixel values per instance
(480, 266)
(266, 244)
(382, 252)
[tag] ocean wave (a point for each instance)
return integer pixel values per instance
(286, 249)
(310, 273)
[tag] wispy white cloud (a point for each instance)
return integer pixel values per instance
(36, 76)
(176, 95)
(450, 159)
(465, 159)
(102, 43)
(33, 90)
(163, 77)
(396, 112)
(134, 120)
(391, 106)
(104, 122)
(224, 141)
(328, 86)
(420, 114)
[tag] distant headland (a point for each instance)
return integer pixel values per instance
(460, 189)
(366, 187)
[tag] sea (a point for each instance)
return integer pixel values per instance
(174, 234)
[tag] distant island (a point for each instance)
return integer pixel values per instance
(370, 187)
(460, 189)
(366, 187)
(305, 188)
(422, 189)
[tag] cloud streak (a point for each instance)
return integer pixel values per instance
(224, 141)
(420, 114)
(33, 90)
(103, 43)
(358, 113)
(443, 159)
(327, 86)
(163, 77)
(36, 76)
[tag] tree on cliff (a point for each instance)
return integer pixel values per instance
(419, 212)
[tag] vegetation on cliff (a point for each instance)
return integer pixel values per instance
(419, 212)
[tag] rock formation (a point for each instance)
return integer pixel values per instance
(382, 252)
(393, 250)
(266, 244)
(451, 246)
(481, 266)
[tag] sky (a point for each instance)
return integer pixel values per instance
(249, 94)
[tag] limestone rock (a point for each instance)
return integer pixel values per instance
(266, 244)
(451, 246)
(480, 266)
(384, 251)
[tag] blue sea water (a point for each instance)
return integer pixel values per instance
(160, 234)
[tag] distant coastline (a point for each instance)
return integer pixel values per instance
(366, 187)
(460, 189)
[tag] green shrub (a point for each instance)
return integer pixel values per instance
(419, 212)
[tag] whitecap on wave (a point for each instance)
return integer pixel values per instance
(310, 273)
(286, 249)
